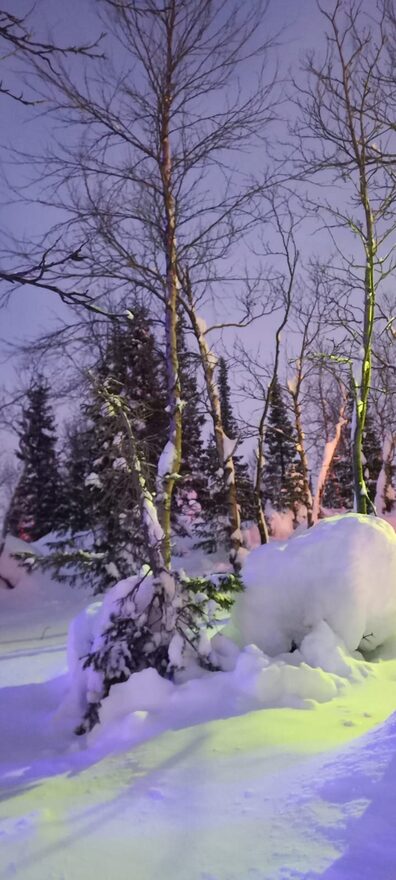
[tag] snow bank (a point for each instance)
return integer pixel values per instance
(147, 704)
(328, 590)
(12, 572)
(342, 571)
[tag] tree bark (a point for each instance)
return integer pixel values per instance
(170, 460)
(328, 455)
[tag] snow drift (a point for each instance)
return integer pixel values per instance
(13, 572)
(329, 591)
(342, 571)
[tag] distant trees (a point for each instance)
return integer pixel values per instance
(338, 490)
(34, 508)
(216, 501)
(283, 483)
(243, 482)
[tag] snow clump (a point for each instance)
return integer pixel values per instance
(342, 572)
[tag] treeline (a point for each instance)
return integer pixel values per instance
(81, 488)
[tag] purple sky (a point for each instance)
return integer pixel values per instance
(30, 312)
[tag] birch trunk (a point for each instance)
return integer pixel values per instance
(362, 385)
(328, 455)
(170, 460)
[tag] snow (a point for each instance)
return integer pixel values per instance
(281, 521)
(292, 384)
(167, 457)
(153, 526)
(202, 325)
(229, 446)
(274, 768)
(112, 570)
(120, 464)
(342, 571)
(10, 569)
(93, 480)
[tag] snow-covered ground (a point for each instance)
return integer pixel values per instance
(175, 784)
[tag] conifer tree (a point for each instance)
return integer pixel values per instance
(372, 454)
(191, 490)
(242, 479)
(130, 368)
(389, 487)
(34, 508)
(75, 513)
(338, 489)
(229, 422)
(215, 519)
(282, 485)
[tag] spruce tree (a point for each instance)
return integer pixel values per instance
(282, 483)
(242, 478)
(372, 452)
(389, 488)
(191, 490)
(338, 490)
(34, 508)
(75, 512)
(213, 530)
(131, 368)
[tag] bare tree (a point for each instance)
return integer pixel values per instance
(347, 146)
(282, 256)
(19, 44)
(18, 41)
(225, 446)
(150, 187)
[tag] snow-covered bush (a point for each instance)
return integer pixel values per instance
(127, 633)
(12, 570)
(342, 571)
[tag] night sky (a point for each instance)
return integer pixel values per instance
(73, 21)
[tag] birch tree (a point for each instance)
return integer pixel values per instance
(347, 145)
(281, 261)
(150, 185)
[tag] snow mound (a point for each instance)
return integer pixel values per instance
(12, 572)
(147, 704)
(342, 571)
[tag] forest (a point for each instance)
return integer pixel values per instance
(223, 244)
(198, 439)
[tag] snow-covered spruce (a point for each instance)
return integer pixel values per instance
(144, 622)
(343, 572)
